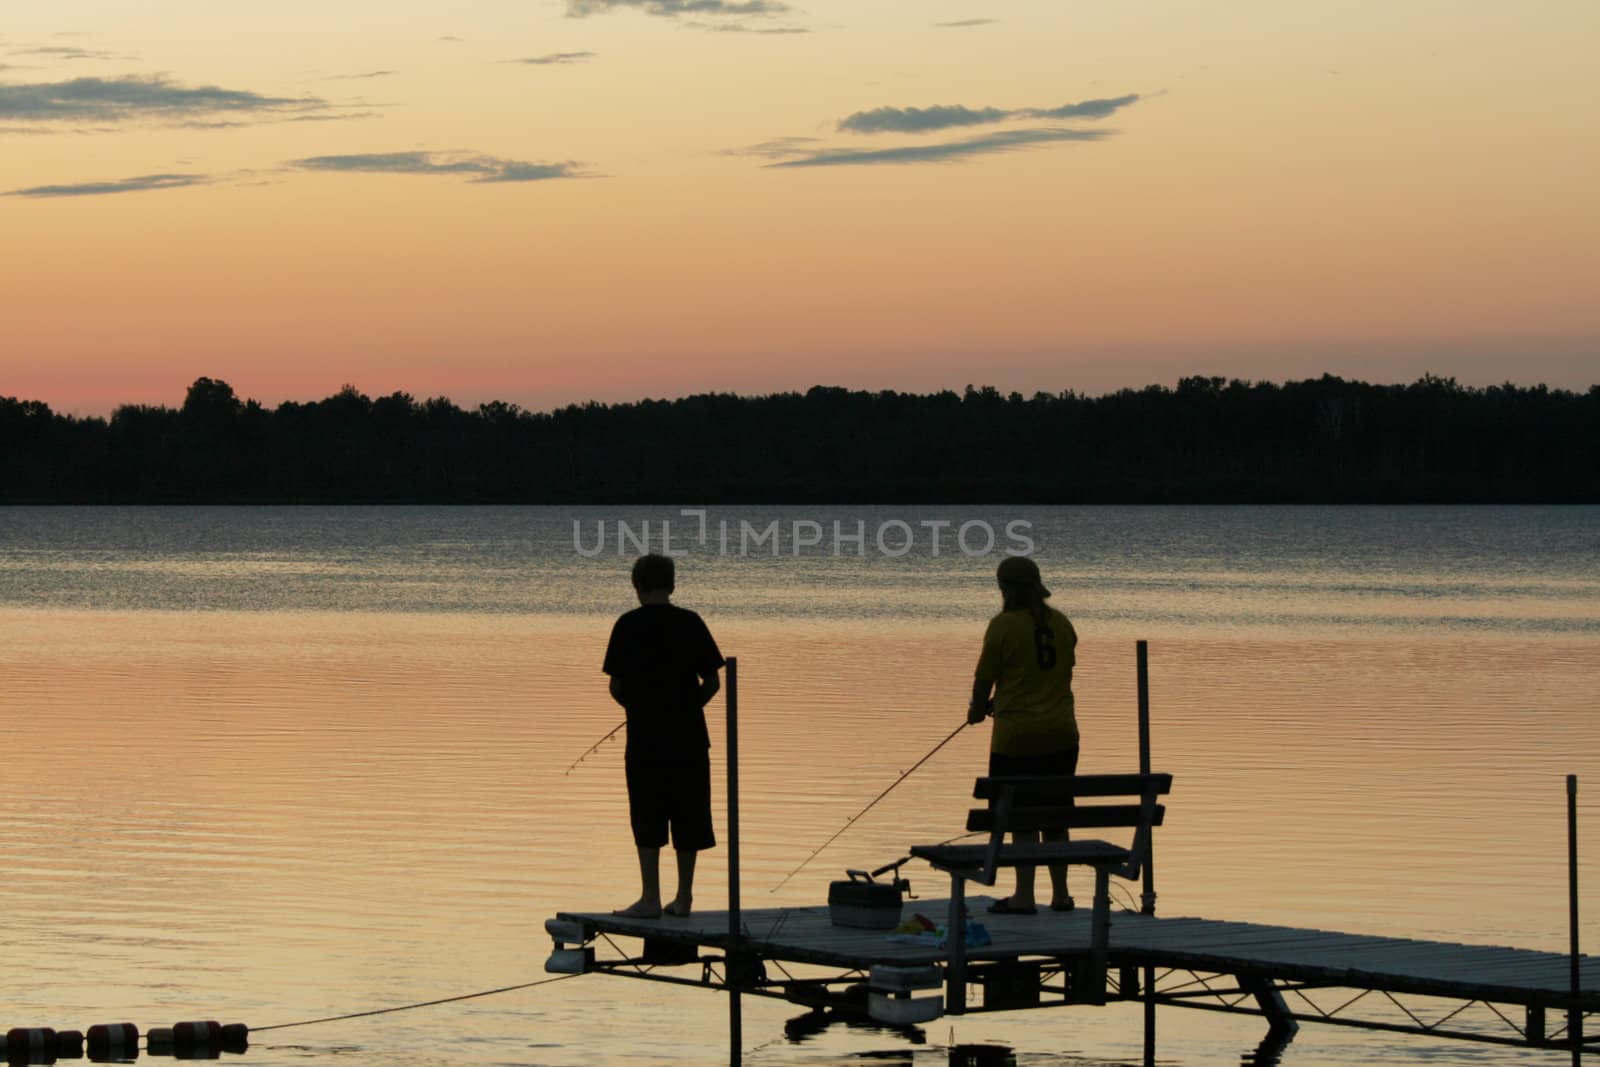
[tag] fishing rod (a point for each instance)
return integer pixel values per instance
(904, 775)
(592, 749)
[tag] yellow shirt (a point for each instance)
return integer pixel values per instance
(1032, 671)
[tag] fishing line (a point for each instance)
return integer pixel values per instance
(852, 820)
(409, 1007)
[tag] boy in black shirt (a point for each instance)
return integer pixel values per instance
(663, 664)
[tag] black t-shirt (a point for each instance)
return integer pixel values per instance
(659, 652)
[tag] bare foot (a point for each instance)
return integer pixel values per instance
(639, 909)
(679, 908)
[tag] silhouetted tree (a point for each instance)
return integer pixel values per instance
(1208, 440)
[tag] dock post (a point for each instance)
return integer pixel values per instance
(955, 986)
(1142, 661)
(1147, 905)
(1575, 1012)
(735, 927)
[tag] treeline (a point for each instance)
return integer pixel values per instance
(1209, 440)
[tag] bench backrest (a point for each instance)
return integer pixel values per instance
(1047, 802)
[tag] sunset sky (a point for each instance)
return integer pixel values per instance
(548, 201)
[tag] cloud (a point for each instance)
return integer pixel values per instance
(962, 23)
(926, 119)
(949, 151)
(944, 117)
(125, 185)
(513, 171)
(919, 119)
(739, 27)
(553, 58)
(137, 97)
(578, 9)
(777, 148)
(449, 39)
(232, 124)
(1087, 109)
(487, 168)
(64, 52)
(368, 74)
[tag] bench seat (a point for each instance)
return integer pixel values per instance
(1033, 803)
(970, 859)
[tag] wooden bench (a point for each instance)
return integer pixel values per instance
(1051, 803)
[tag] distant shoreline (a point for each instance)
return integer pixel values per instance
(1209, 441)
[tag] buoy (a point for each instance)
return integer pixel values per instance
(189, 1035)
(158, 1042)
(235, 1038)
(69, 1044)
(113, 1041)
(30, 1044)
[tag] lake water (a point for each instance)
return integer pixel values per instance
(273, 764)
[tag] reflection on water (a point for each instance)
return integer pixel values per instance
(1247, 570)
(273, 764)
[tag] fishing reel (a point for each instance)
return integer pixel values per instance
(898, 884)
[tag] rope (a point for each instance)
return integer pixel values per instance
(409, 1007)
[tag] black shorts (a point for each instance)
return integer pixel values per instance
(1063, 762)
(671, 795)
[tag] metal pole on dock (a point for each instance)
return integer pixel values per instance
(1575, 1012)
(1148, 904)
(735, 1006)
(1142, 658)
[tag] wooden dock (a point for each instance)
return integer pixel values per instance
(1521, 997)
(1286, 975)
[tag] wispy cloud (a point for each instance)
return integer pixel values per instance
(512, 171)
(142, 183)
(139, 97)
(946, 152)
(673, 8)
(449, 39)
(740, 27)
(66, 52)
(486, 169)
(231, 124)
(554, 58)
(963, 23)
(777, 148)
(926, 119)
(919, 119)
(1087, 109)
(364, 75)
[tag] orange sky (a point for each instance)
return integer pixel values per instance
(548, 202)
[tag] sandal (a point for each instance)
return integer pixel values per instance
(1066, 905)
(1003, 906)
